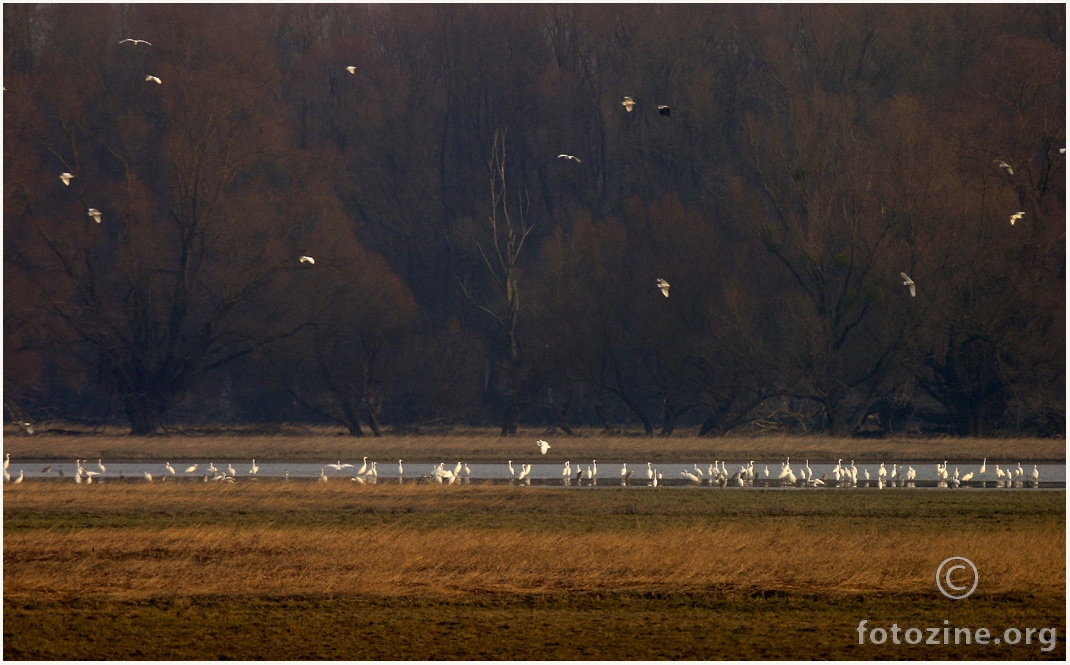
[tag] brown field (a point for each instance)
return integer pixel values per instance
(285, 538)
(277, 570)
(317, 444)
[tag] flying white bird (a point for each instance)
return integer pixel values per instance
(308, 259)
(66, 178)
(1004, 165)
(135, 41)
(664, 110)
(664, 286)
(567, 157)
(154, 79)
(628, 104)
(543, 446)
(95, 214)
(1016, 216)
(338, 466)
(351, 69)
(908, 283)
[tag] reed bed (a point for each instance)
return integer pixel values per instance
(323, 444)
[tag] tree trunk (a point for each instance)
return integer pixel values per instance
(352, 417)
(144, 412)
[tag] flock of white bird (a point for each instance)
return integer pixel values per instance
(717, 473)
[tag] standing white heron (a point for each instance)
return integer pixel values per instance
(664, 286)
(909, 283)
(984, 466)
(100, 465)
(512, 473)
(363, 467)
(170, 469)
(191, 469)
(19, 479)
(7, 461)
(254, 469)
(230, 470)
(147, 476)
(401, 469)
(323, 474)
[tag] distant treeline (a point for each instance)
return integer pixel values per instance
(780, 167)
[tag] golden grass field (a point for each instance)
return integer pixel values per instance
(299, 570)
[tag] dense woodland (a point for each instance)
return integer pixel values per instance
(464, 273)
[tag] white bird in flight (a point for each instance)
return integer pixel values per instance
(543, 446)
(569, 157)
(351, 69)
(308, 259)
(154, 79)
(909, 283)
(135, 41)
(66, 178)
(628, 103)
(95, 214)
(664, 286)
(338, 466)
(1004, 165)
(1016, 216)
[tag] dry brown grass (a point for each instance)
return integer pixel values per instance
(219, 560)
(482, 445)
(308, 538)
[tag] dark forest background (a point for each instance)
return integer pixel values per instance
(465, 274)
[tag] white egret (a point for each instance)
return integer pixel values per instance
(467, 471)
(66, 178)
(567, 471)
(457, 469)
(512, 473)
(664, 286)
(984, 466)
(628, 104)
(323, 475)
(882, 472)
(338, 466)
(191, 469)
(147, 476)
(135, 41)
(1036, 474)
(154, 79)
(1016, 216)
(308, 259)
(624, 469)
(19, 479)
(230, 470)
(543, 446)
(594, 468)
(170, 469)
(100, 465)
(357, 479)
(351, 69)
(212, 469)
(1004, 165)
(649, 471)
(569, 157)
(690, 476)
(968, 477)
(7, 476)
(363, 467)
(254, 469)
(95, 214)
(401, 469)
(908, 283)
(525, 471)
(7, 461)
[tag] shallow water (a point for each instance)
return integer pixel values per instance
(1052, 476)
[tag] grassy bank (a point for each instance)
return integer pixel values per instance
(483, 445)
(310, 570)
